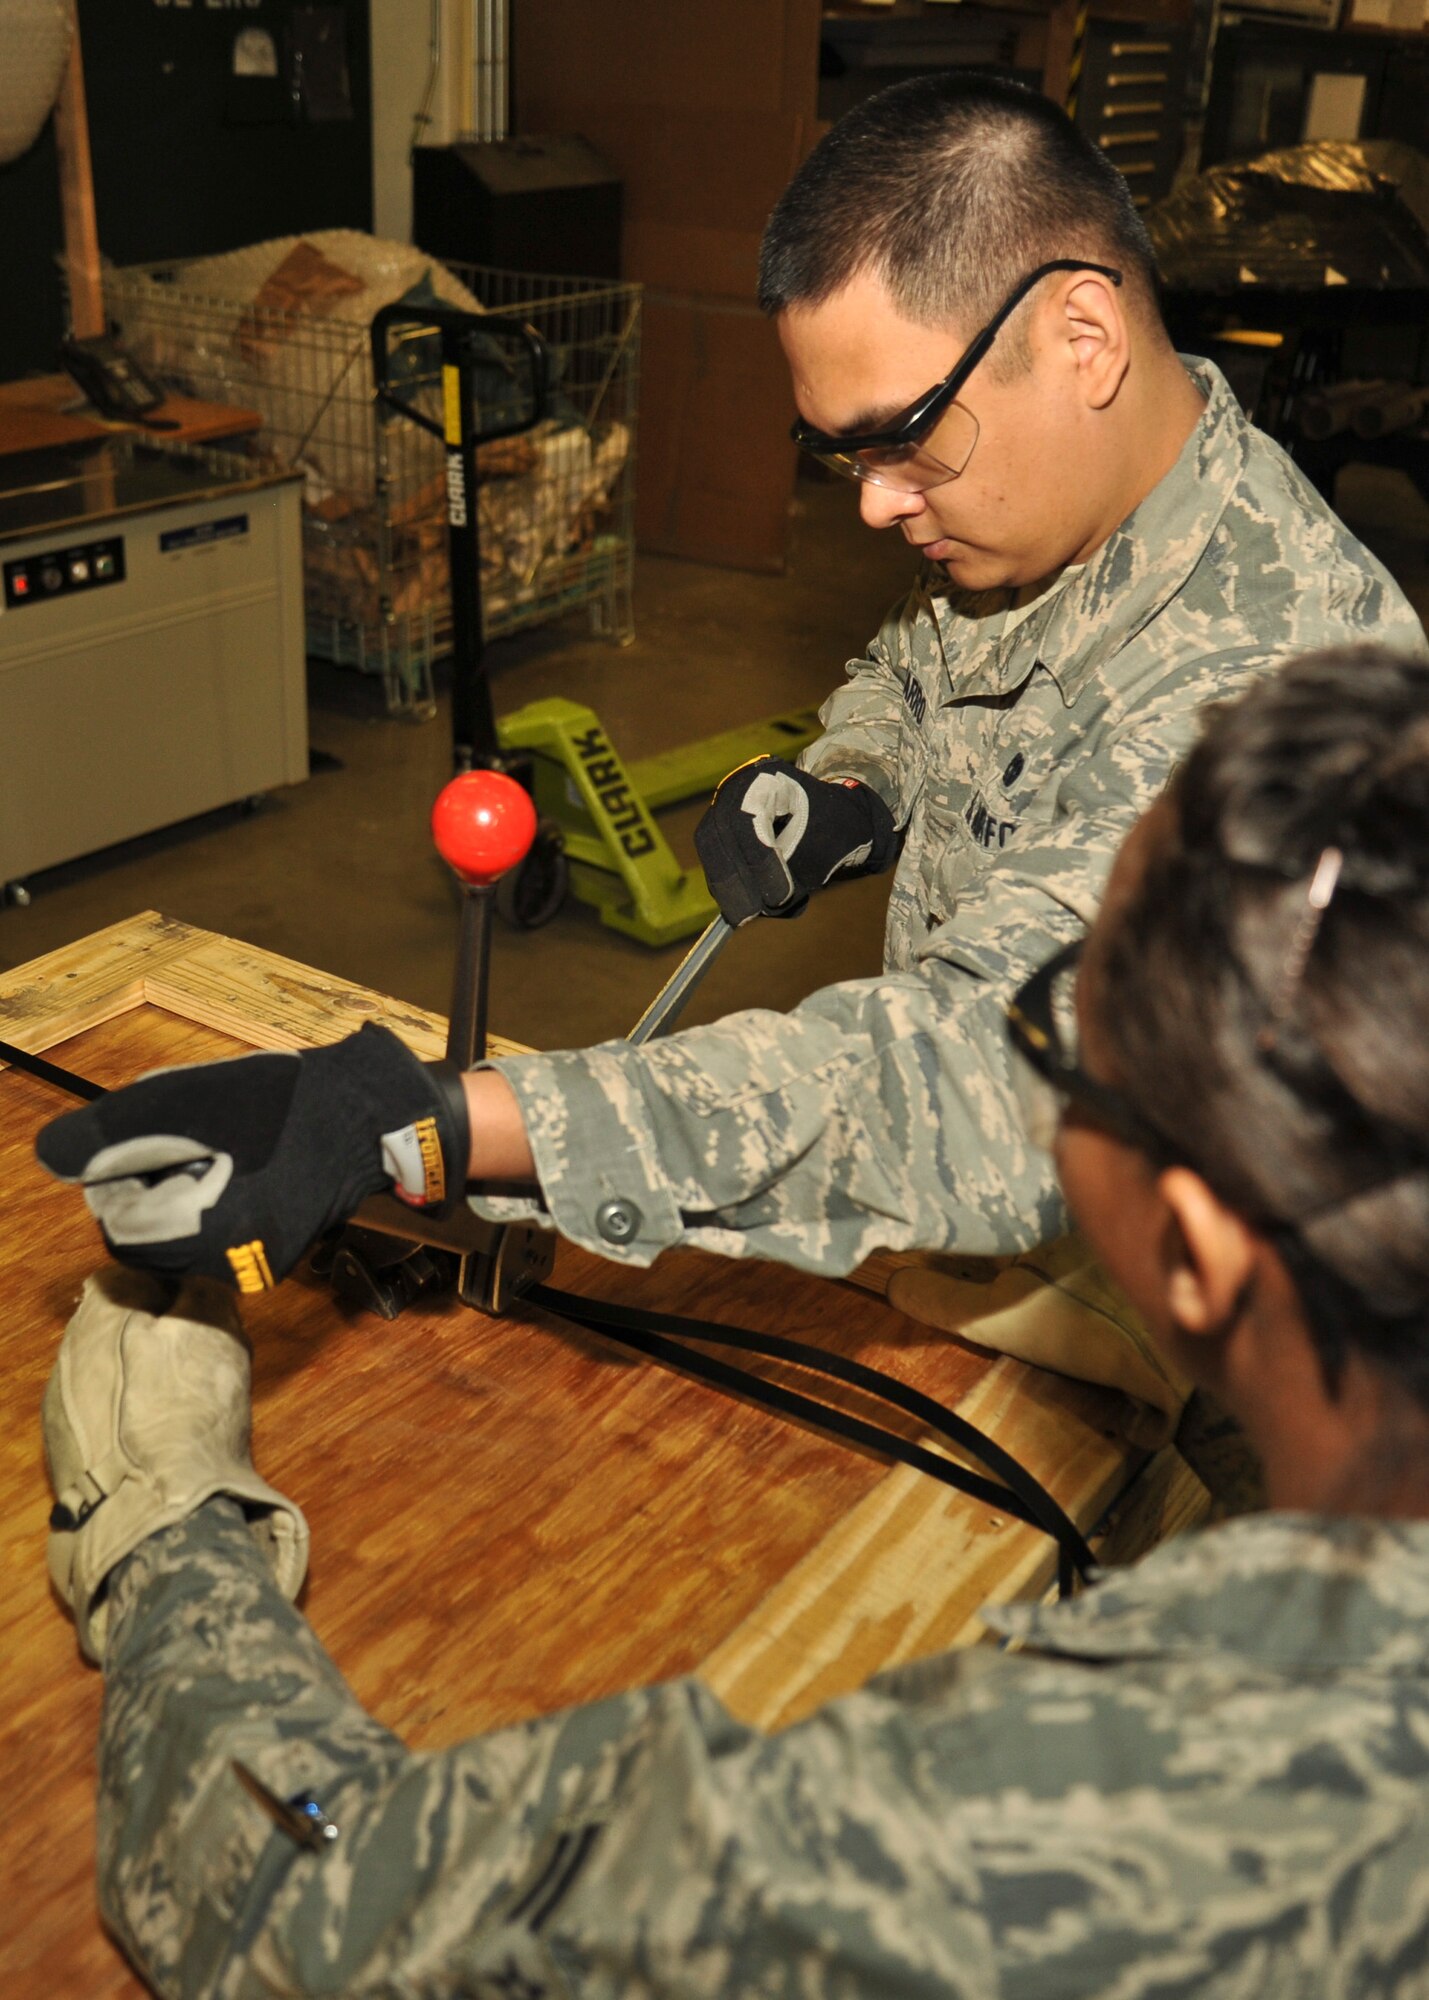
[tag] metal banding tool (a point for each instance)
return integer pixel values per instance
(669, 1003)
(483, 824)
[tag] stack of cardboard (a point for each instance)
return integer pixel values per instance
(705, 112)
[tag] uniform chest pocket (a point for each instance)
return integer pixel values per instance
(938, 864)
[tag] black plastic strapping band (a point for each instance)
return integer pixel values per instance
(664, 1336)
(48, 1072)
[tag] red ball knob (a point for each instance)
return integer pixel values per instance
(483, 823)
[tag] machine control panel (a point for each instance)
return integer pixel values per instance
(61, 572)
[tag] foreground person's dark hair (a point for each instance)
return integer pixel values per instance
(1304, 1101)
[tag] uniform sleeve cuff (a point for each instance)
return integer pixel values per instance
(594, 1148)
(831, 759)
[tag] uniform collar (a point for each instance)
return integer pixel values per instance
(1135, 573)
(1278, 1590)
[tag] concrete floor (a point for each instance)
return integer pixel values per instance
(339, 872)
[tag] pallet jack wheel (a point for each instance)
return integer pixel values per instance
(529, 896)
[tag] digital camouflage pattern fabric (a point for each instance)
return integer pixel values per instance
(1207, 1776)
(1015, 753)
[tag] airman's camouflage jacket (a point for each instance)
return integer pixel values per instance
(1208, 1777)
(879, 1113)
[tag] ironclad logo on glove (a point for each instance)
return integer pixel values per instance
(773, 834)
(231, 1170)
(413, 1157)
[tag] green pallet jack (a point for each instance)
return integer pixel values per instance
(598, 838)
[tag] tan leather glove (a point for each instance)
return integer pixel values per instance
(145, 1417)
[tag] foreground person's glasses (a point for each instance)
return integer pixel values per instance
(1042, 1025)
(897, 456)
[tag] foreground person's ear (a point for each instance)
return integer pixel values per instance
(1095, 329)
(1208, 1255)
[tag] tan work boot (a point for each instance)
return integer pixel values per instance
(146, 1416)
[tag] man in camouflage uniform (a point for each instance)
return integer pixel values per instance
(1119, 547)
(1015, 753)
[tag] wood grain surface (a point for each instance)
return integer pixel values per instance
(262, 999)
(38, 414)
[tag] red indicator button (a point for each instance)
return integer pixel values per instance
(20, 584)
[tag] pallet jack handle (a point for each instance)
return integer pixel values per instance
(466, 339)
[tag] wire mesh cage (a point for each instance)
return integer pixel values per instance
(283, 329)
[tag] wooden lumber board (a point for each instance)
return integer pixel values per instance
(908, 1571)
(260, 998)
(81, 228)
(513, 1423)
(50, 1940)
(270, 1002)
(507, 1516)
(905, 1572)
(24, 427)
(82, 985)
(38, 413)
(1166, 1498)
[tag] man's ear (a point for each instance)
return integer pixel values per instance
(1208, 1255)
(1093, 323)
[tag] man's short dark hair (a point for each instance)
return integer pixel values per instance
(950, 187)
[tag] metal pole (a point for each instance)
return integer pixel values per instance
(423, 117)
(466, 1028)
(483, 69)
(500, 69)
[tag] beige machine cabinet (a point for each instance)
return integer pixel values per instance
(151, 644)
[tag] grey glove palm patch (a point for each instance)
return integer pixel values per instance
(156, 1188)
(779, 808)
(774, 796)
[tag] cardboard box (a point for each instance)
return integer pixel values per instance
(705, 113)
(716, 466)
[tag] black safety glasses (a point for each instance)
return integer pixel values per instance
(1041, 1023)
(896, 456)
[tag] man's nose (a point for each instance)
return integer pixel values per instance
(885, 506)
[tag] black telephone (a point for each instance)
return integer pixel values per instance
(115, 384)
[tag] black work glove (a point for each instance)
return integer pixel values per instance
(773, 835)
(232, 1169)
